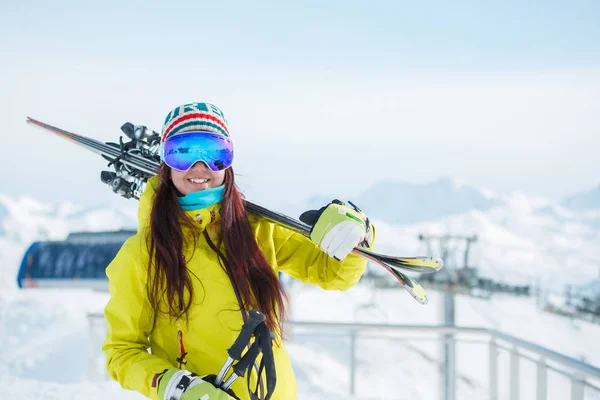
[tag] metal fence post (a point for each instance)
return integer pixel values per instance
(577, 387)
(448, 376)
(493, 371)
(352, 363)
(514, 374)
(450, 367)
(542, 380)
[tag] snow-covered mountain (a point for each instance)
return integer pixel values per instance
(406, 203)
(586, 200)
(24, 220)
(3, 215)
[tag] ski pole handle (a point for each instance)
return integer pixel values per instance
(255, 317)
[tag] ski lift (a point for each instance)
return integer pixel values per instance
(79, 261)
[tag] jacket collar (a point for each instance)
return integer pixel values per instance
(207, 217)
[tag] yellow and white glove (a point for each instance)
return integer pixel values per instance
(337, 229)
(177, 384)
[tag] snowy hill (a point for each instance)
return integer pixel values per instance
(3, 216)
(25, 219)
(586, 200)
(521, 238)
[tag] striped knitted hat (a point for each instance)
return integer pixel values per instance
(194, 117)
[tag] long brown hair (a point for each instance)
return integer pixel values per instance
(251, 275)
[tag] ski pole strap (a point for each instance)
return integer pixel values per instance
(265, 339)
(268, 360)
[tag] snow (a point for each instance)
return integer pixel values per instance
(30, 389)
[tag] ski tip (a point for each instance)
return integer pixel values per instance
(415, 289)
(435, 263)
(421, 300)
(419, 295)
(425, 265)
(432, 260)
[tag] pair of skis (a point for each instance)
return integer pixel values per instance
(137, 160)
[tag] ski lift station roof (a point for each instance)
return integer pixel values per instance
(79, 261)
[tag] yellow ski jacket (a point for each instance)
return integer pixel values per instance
(139, 343)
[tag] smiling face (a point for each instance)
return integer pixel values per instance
(198, 177)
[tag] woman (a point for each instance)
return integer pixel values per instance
(182, 285)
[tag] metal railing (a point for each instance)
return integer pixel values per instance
(584, 378)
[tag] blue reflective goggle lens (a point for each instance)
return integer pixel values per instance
(185, 149)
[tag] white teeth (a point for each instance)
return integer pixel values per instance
(198, 180)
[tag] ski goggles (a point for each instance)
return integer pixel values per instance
(183, 150)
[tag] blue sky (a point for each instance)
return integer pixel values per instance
(322, 97)
(463, 36)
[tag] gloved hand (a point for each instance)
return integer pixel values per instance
(338, 229)
(183, 385)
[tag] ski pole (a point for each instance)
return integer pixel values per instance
(263, 343)
(235, 351)
(240, 367)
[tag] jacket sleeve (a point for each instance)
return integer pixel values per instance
(302, 259)
(130, 320)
